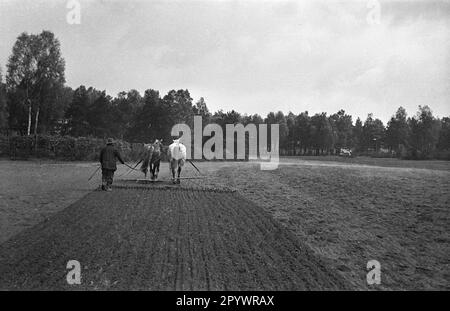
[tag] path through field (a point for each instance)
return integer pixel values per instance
(163, 239)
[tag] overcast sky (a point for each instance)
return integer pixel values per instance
(254, 56)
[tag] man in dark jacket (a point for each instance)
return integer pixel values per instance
(108, 157)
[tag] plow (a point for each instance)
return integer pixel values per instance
(150, 181)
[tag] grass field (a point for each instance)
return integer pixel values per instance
(311, 224)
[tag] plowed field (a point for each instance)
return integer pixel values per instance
(310, 224)
(163, 239)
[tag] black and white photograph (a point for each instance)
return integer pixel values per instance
(226, 150)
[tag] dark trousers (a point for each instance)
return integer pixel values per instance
(107, 176)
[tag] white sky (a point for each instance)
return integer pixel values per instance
(254, 56)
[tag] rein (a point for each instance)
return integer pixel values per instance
(132, 168)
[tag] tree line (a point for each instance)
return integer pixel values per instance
(34, 99)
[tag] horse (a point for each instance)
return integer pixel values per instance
(177, 157)
(152, 159)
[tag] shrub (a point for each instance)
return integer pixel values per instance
(63, 148)
(443, 155)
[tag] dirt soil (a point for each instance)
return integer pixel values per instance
(161, 239)
(31, 191)
(350, 214)
(307, 225)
